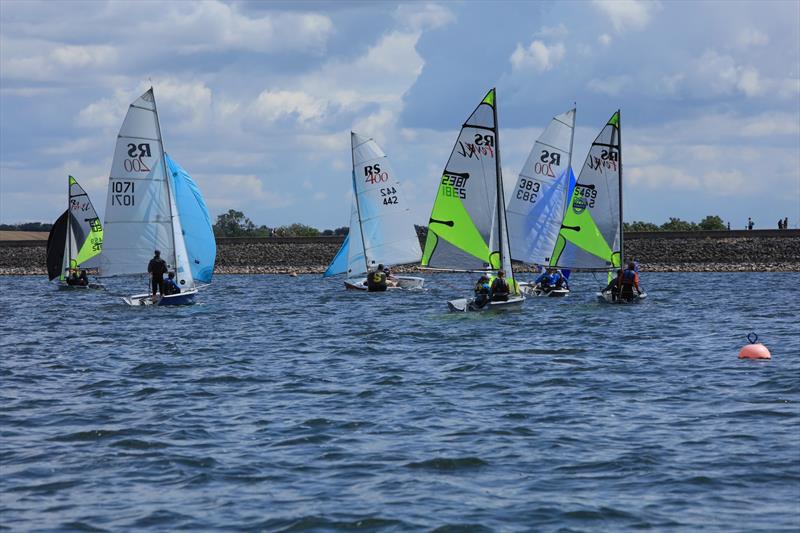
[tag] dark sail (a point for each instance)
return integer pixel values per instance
(56, 242)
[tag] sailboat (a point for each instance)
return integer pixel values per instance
(537, 205)
(76, 237)
(153, 204)
(591, 235)
(381, 228)
(467, 230)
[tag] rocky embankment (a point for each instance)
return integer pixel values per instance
(719, 252)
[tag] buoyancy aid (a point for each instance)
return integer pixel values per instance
(629, 277)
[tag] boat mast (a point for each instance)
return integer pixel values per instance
(163, 163)
(502, 224)
(621, 223)
(69, 226)
(358, 207)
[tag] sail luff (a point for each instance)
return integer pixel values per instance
(170, 195)
(621, 223)
(358, 207)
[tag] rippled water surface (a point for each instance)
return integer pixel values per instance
(283, 403)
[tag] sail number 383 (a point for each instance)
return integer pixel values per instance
(528, 190)
(122, 193)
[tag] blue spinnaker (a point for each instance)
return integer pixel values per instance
(195, 222)
(339, 263)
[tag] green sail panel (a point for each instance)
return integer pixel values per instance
(590, 232)
(463, 228)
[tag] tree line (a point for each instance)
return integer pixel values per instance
(709, 223)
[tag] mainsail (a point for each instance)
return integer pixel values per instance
(77, 235)
(381, 227)
(141, 214)
(590, 236)
(467, 229)
(198, 234)
(537, 204)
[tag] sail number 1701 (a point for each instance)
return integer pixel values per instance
(122, 193)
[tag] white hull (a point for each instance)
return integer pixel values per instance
(403, 282)
(64, 287)
(606, 297)
(529, 289)
(185, 297)
(462, 305)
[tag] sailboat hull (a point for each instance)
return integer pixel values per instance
(184, 298)
(403, 282)
(62, 286)
(606, 297)
(536, 291)
(464, 305)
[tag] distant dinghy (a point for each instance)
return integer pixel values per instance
(539, 200)
(467, 230)
(154, 204)
(381, 228)
(75, 239)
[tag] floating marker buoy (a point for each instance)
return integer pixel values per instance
(754, 350)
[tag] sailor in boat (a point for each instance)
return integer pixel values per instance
(558, 280)
(170, 287)
(157, 267)
(500, 289)
(628, 281)
(376, 280)
(613, 286)
(391, 281)
(545, 280)
(75, 280)
(482, 291)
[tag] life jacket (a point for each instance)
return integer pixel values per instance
(376, 280)
(502, 286)
(482, 287)
(628, 277)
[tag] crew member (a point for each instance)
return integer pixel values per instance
(83, 280)
(170, 287)
(391, 281)
(613, 286)
(157, 267)
(500, 287)
(543, 280)
(482, 291)
(558, 280)
(628, 281)
(376, 281)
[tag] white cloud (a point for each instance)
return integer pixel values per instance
(553, 32)
(272, 105)
(537, 56)
(604, 39)
(752, 37)
(420, 17)
(627, 14)
(611, 86)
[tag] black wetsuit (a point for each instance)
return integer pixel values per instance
(157, 268)
(376, 281)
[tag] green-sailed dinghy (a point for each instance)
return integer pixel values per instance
(467, 230)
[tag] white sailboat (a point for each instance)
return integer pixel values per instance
(468, 230)
(141, 211)
(537, 204)
(381, 228)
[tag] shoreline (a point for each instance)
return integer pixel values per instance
(735, 251)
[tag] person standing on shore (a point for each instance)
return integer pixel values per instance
(750, 223)
(157, 267)
(786, 223)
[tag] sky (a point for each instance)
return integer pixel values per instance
(257, 99)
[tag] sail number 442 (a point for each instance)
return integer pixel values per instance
(122, 193)
(389, 195)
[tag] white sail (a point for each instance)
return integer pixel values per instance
(386, 225)
(140, 212)
(356, 264)
(537, 203)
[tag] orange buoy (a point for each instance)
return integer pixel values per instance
(754, 350)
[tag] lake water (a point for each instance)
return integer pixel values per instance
(283, 403)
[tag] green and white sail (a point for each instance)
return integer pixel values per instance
(590, 236)
(467, 229)
(537, 203)
(141, 215)
(77, 235)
